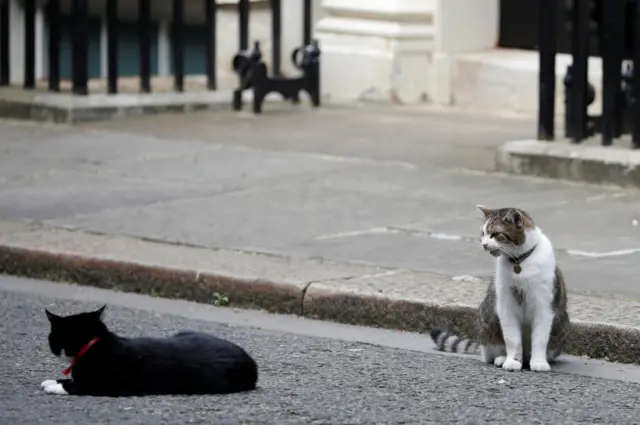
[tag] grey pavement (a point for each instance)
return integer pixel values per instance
(387, 187)
(310, 372)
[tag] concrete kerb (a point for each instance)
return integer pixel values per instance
(342, 293)
(561, 160)
(158, 281)
(69, 109)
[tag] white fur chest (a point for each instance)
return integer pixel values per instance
(530, 291)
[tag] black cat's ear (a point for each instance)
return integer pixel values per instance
(99, 311)
(486, 212)
(50, 316)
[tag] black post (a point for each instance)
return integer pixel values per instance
(112, 46)
(210, 31)
(243, 17)
(144, 31)
(5, 50)
(612, 52)
(306, 18)
(53, 18)
(29, 44)
(79, 47)
(635, 137)
(243, 45)
(579, 71)
(547, 73)
(276, 34)
(178, 44)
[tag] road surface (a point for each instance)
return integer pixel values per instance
(310, 372)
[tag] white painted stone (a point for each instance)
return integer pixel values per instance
(460, 26)
(506, 81)
(466, 25)
(16, 41)
(441, 81)
(164, 48)
(376, 50)
(39, 39)
(104, 48)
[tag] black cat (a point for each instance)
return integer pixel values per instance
(104, 364)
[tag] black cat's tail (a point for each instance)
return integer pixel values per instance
(451, 343)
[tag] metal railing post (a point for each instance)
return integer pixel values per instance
(29, 44)
(112, 46)
(577, 104)
(547, 72)
(177, 38)
(79, 36)
(144, 32)
(211, 10)
(612, 51)
(5, 44)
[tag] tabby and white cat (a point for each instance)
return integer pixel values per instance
(523, 317)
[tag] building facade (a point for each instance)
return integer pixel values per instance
(161, 15)
(476, 54)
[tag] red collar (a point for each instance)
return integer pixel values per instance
(81, 353)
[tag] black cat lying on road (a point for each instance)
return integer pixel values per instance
(104, 364)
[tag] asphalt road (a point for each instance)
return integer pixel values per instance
(310, 372)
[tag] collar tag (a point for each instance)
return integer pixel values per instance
(517, 268)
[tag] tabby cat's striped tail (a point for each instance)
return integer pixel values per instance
(446, 341)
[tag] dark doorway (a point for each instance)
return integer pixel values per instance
(519, 25)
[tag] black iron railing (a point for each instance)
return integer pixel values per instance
(251, 70)
(611, 29)
(4, 42)
(547, 73)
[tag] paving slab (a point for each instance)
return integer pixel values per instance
(418, 135)
(269, 218)
(66, 194)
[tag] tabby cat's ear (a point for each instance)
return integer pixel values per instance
(514, 216)
(50, 316)
(486, 212)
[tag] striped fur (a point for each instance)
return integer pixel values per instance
(448, 342)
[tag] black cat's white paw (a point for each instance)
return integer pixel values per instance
(53, 387)
(48, 382)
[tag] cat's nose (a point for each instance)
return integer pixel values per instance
(485, 246)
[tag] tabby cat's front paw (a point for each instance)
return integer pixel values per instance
(511, 364)
(539, 366)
